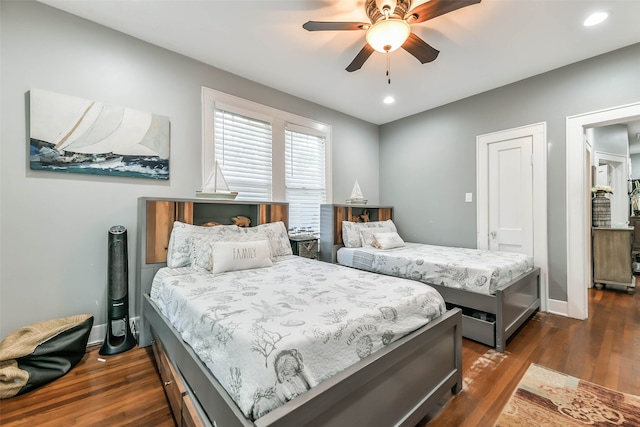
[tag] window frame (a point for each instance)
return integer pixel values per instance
(304, 188)
(279, 119)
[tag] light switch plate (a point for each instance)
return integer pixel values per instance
(468, 197)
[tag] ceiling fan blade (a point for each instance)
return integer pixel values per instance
(434, 8)
(420, 49)
(360, 58)
(334, 26)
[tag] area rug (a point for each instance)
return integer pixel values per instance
(548, 398)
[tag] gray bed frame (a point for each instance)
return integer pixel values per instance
(396, 386)
(512, 305)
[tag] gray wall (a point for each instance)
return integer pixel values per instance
(612, 139)
(54, 225)
(436, 149)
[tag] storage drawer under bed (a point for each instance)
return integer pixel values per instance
(184, 407)
(479, 330)
(173, 385)
(477, 326)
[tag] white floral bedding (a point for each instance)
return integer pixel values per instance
(462, 268)
(269, 334)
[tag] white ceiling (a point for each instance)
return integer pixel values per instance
(482, 46)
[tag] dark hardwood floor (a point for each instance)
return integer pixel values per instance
(125, 390)
(605, 349)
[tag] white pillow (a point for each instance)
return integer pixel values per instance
(192, 242)
(232, 256)
(278, 238)
(387, 240)
(179, 249)
(366, 235)
(200, 245)
(351, 231)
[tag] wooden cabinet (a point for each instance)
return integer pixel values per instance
(612, 257)
(634, 222)
(331, 217)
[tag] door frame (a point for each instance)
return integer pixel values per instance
(578, 203)
(538, 133)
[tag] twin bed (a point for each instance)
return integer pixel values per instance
(497, 291)
(264, 338)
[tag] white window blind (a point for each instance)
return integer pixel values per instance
(243, 151)
(305, 184)
(267, 154)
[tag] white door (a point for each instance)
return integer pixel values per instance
(511, 167)
(510, 199)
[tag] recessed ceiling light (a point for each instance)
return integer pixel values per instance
(389, 100)
(595, 18)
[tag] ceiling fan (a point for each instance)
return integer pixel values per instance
(390, 27)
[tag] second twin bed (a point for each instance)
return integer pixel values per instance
(497, 291)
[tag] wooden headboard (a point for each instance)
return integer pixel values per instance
(161, 214)
(331, 217)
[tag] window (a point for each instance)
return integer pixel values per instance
(304, 177)
(243, 153)
(268, 155)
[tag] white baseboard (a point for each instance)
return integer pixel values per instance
(99, 332)
(558, 307)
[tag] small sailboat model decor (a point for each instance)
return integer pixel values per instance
(356, 197)
(216, 186)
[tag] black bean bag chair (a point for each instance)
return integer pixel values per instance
(37, 354)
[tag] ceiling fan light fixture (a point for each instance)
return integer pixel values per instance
(388, 35)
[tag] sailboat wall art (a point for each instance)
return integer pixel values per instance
(70, 134)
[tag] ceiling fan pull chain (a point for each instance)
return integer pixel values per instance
(388, 68)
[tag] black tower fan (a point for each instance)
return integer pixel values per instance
(117, 293)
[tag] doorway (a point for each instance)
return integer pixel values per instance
(578, 201)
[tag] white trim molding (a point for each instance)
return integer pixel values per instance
(558, 307)
(578, 201)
